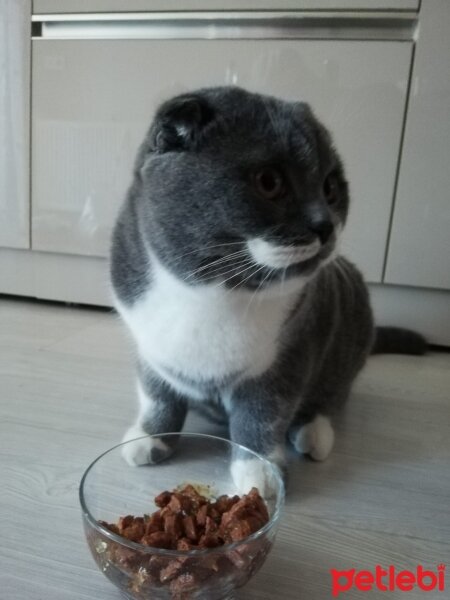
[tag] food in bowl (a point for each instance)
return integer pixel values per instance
(186, 520)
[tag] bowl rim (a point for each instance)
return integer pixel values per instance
(195, 552)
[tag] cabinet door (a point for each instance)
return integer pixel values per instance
(419, 250)
(93, 100)
(14, 122)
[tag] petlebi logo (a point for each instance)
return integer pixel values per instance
(388, 579)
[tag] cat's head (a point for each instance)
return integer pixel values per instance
(239, 188)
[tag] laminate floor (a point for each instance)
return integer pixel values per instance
(67, 394)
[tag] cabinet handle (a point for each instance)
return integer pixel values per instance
(228, 25)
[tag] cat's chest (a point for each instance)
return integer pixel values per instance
(206, 332)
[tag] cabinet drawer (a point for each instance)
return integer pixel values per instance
(93, 101)
(68, 6)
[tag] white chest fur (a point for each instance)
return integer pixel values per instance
(208, 332)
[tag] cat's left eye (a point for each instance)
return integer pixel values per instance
(269, 183)
(330, 188)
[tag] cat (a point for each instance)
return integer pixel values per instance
(225, 267)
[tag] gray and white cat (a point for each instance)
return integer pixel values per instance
(225, 269)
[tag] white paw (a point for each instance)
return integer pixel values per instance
(248, 473)
(143, 451)
(315, 438)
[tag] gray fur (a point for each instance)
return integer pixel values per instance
(190, 195)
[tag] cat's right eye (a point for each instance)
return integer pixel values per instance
(269, 183)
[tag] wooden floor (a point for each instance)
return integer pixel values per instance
(67, 394)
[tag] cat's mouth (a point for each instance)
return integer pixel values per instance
(281, 257)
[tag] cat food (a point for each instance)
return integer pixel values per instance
(185, 520)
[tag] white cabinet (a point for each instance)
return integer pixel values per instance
(419, 250)
(93, 101)
(14, 122)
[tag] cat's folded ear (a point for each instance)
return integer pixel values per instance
(179, 123)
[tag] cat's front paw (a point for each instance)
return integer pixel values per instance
(144, 450)
(249, 473)
(316, 438)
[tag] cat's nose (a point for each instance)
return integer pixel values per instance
(323, 228)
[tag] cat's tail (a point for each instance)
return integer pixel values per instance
(396, 340)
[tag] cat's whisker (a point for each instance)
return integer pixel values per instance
(218, 261)
(247, 278)
(247, 262)
(220, 275)
(251, 266)
(260, 285)
(271, 272)
(176, 258)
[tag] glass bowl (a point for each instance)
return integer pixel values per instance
(110, 488)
